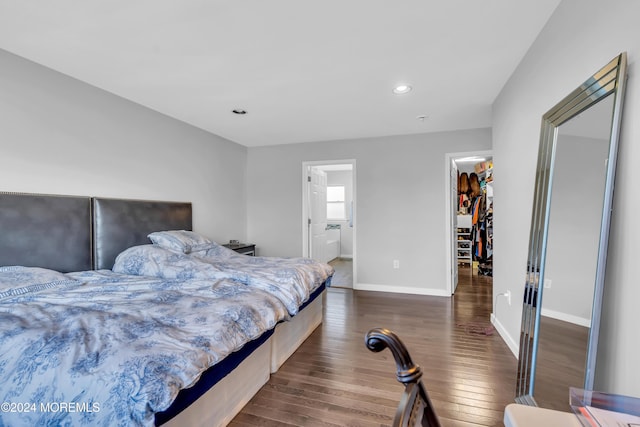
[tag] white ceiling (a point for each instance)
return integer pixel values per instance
(304, 71)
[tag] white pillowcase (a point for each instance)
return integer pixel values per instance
(18, 280)
(181, 241)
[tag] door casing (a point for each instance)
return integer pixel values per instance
(306, 203)
(449, 158)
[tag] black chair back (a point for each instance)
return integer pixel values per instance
(415, 408)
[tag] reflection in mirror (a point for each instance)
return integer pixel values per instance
(568, 240)
(577, 196)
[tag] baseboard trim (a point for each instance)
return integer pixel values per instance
(401, 289)
(513, 346)
(580, 321)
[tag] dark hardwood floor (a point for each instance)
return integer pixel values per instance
(562, 358)
(334, 380)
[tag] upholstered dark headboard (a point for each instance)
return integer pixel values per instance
(119, 224)
(38, 230)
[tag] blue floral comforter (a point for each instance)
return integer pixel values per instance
(113, 349)
(292, 280)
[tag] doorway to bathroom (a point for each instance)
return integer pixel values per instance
(329, 217)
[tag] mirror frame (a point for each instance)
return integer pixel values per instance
(608, 81)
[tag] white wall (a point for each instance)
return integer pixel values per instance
(62, 136)
(344, 178)
(579, 38)
(400, 203)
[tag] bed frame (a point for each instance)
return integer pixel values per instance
(72, 233)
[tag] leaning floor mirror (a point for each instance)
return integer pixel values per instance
(568, 240)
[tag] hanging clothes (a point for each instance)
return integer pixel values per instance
(478, 231)
(464, 204)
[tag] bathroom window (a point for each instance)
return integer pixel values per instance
(335, 202)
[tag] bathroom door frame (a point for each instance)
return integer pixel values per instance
(306, 203)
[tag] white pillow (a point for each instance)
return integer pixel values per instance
(18, 280)
(181, 241)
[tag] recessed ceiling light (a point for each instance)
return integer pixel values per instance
(239, 111)
(401, 89)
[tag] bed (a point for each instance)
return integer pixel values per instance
(94, 232)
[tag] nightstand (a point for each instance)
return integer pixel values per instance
(242, 248)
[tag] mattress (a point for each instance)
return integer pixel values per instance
(127, 344)
(215, 401)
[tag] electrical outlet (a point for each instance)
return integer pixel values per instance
(547, 283)
(396, 263)
(508, 295)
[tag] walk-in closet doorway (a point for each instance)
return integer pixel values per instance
(469, 213)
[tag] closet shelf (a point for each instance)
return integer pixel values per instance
(464, 245)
